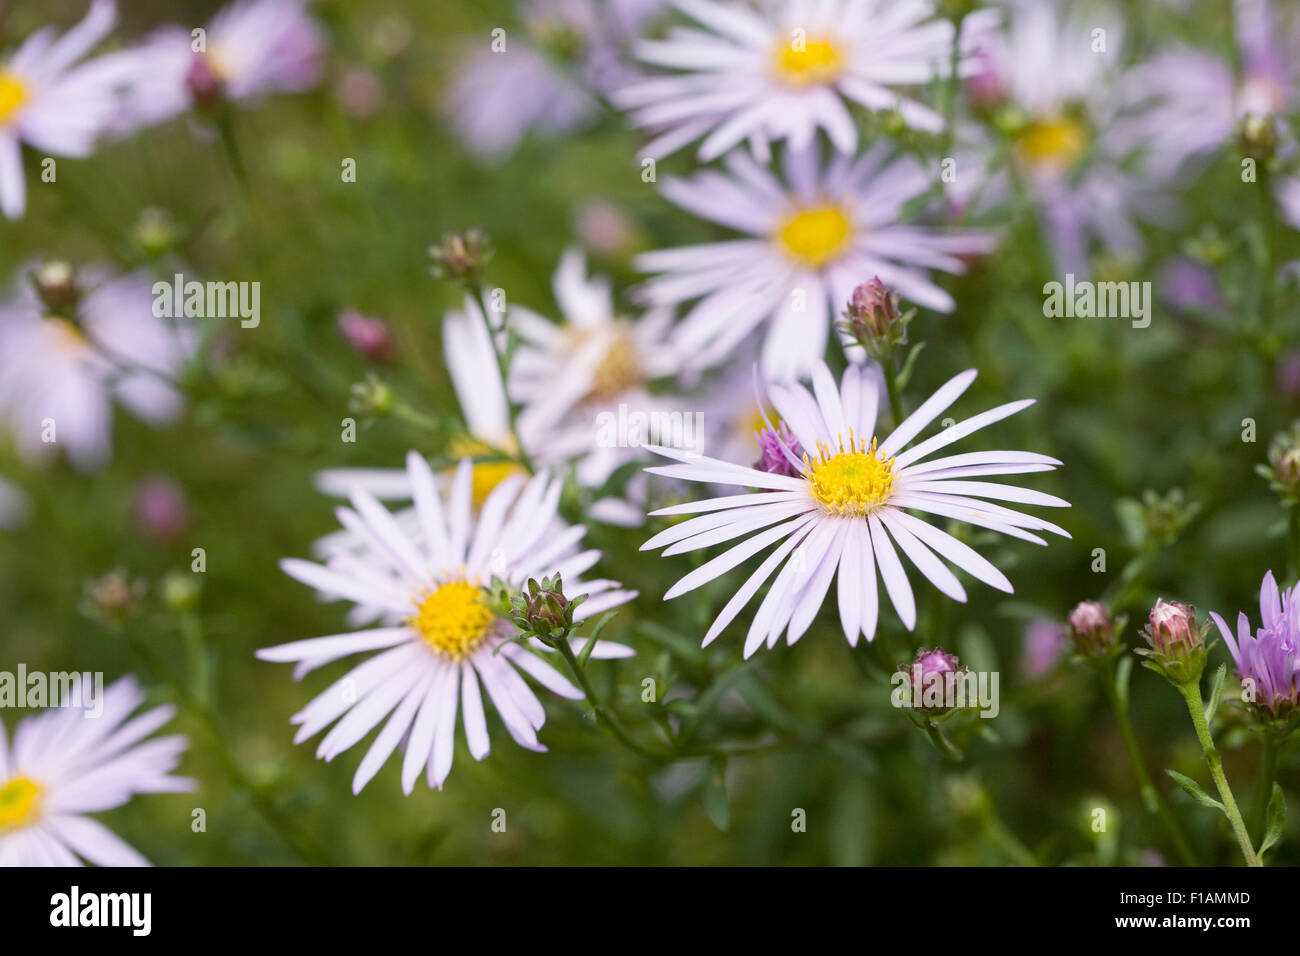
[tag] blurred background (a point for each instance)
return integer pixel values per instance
(98, 576)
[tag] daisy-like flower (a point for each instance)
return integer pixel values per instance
(440, 642)
(578, 380)
(810, 242)
(60, 373)
(848, 507)
(1078, 150)
(251, 49)
(1269, 660)
(550, 81)
(50, 102)
(786, 71)
(63, 766)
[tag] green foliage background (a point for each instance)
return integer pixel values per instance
(1125, 409)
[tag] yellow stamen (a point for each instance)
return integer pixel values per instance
(20, 803)
(815, 235)
(453, 619)
(1056, 142)
(855, 481)
(805, 62)
(486, 475)
(618, 371)
(13, 96)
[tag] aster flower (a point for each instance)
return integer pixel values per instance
(50, 102)
(62, 766)
(440, 641)
(550, 81)
(1268, 660)
(810, 241)
(597, 366)
(252, 49)
(70, 367)
(1077, 149)
(785, 71)
(848, 507)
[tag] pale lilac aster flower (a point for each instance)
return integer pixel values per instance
(439, 643)
(787, 70)
(1074, 150)
(849, 508)
(810, 240)
(776, 449)
(67, 762)
(1268, 660)
(68, 370)
(252, 48)
(50, 102)
(1043, 645)
(500, 96)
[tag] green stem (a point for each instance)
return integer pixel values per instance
(1151, 798)
(891, 384)
(941, 741)
(1268, 281)
(603, 715)
(1191, 691)
(503, 367)
(1293, 538)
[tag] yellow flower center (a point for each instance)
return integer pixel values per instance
(815, 235)
(20, 803)
(852, 482)
(486, 475)
(453, 619)
(1055, 142)
(618, 371)
(13, 96)
(803, 62)
(66, 335)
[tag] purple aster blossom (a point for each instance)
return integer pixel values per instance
(1044, 643)
(772, 450)
(1267, 662)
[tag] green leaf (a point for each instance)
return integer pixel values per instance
(591, 638)
(1276, 819)
(909, 364)
(713, 793)
(1216, 692)
(1123, 672)
(1193, 790)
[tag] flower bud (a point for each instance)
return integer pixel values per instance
(1177, 645)
(1283, 471)
(180, 590)
(772, 446)
(203, 82)
(1091, 629)
(368, 336)
(872, 318)
(110, 598)
(56, 284)
(543, 611)
(927, 678)
(461, 255)
(1258, 136)
(160, 510)
(371, 397)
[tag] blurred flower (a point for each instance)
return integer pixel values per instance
(1283, 468)
(60, 373)
(50, 102)
(1287, 374)
(112, 597)
(604, 229)
(251, 49)
(1190, 285)
(63, 766)
(371, 397)
(56, 287)
(160, 510)
(845, 506)
(180, 590)
(1042, 646)
(461, 255)
(1268, 662)
(1177, 645)
(1076, 129)
(360, 92)
(550, 81)
(368, 336)
(439, 638)
(1091, 629)
(785, 72)
(807, 246)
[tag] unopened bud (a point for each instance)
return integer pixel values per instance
(1091, 629)
(371, 397)
(873, 320)
(204, 84)
(461, 255)
(1177, 645)
(368, 336)
(56, 284)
